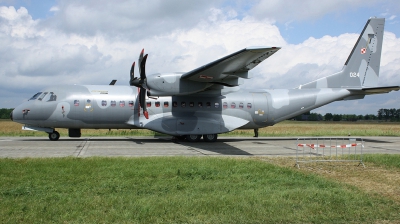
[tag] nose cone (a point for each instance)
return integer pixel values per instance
(20, 113)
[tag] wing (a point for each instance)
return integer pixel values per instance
(227, 70)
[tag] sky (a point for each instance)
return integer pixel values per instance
(49, 42)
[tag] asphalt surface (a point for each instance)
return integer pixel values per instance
(20, 147)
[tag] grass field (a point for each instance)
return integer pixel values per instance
(286, 128)
(195, 190)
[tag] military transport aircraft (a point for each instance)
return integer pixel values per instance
(203, 102)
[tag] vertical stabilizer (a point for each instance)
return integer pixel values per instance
(362, 66)
(365, 58)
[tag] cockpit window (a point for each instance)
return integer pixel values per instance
(34, 97)
(42, 96)
(50, 97)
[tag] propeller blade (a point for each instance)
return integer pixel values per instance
(132, 73)
(142, 67)
(140, 60)
(142, 102)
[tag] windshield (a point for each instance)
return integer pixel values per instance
(44, 96)
(50, 97)
(35, 96)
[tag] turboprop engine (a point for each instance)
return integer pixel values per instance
(171, 84)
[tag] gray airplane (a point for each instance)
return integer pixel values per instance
(203, 102)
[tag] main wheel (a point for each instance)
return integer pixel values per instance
(210, 137)
(54, 136)
(193, 138)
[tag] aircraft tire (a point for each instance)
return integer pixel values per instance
(181, 137)
(210, 137)
(193, 138)
(54, 136)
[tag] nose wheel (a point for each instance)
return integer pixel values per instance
(54, 136)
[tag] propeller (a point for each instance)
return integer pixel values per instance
(132, 73)
(141, 82)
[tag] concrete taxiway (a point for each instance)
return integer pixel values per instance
(19, 147)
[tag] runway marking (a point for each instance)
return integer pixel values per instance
(81, 148)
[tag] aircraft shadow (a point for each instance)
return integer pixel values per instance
(218, 147)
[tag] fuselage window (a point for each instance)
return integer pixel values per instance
(191, 104)
(208, 104)
(200, 104)
(249, 106)
(148, 104)
(225, 105)
(241, 105)
(233, 105)
(157, 104)
(34, 97)
(216, 105)
(131, 103)
(183, 104)
(121, 103)
(166, 104)
(76, 103)
(103, 103)
(113, 103)
(174, 104)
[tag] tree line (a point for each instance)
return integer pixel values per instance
(5, 113)
(382, 115)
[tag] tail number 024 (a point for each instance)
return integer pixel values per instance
(354, 74)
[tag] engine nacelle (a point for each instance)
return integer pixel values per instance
(170, 84)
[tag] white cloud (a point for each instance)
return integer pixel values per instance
(54, 9)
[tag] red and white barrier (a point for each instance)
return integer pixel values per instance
(313, 146)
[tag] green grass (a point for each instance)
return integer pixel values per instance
(390, 161)
(176, 190)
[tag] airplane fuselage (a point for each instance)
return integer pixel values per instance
(117, 107)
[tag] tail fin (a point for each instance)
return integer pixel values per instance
(362, 66)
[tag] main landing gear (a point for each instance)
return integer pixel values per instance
(54, 136)
(196, 138)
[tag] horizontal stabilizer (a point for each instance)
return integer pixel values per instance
(377, 90)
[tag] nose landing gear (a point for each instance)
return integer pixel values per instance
(54, 136)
